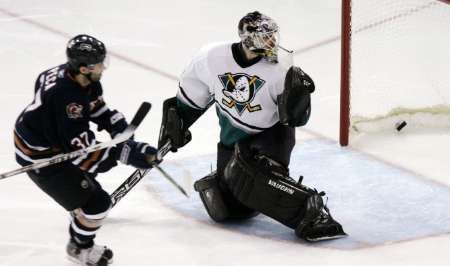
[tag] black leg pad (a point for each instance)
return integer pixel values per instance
(208, 188)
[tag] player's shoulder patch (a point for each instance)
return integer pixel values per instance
(74, 110)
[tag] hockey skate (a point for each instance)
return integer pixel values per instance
(318, 224)
(93, 256)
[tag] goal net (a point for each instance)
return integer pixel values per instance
(396, 59)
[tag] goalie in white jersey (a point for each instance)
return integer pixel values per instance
(259, 99)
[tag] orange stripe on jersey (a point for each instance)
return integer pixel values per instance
(93, 158)
(22, 146)
(30, 152)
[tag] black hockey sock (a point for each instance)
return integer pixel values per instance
(80, 241)
(82, 235)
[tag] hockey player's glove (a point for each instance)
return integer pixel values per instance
(138, 154)
(118, 123)
(173, 127)
(112, 121)
(294, 104)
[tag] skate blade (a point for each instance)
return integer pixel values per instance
(325, 238)
(76, 261)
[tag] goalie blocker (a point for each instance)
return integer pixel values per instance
(175, 124)
(264, 185)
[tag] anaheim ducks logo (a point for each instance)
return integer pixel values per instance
(240, 90)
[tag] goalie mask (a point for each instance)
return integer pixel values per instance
(259, 34)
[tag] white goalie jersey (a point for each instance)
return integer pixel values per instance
(245, 97)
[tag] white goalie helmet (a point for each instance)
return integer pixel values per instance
(260, 34)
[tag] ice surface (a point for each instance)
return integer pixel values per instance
(390, 190)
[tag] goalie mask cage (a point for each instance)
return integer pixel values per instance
(395, 65)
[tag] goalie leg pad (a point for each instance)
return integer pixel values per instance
(219, 203)
(261, 184)
(237, 210)
(211, 196)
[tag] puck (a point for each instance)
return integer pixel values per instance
(400, 125)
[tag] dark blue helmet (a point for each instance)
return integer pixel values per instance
(84, 50)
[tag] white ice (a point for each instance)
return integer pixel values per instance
(390, 189)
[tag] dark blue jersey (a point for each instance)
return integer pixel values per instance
(57, 121)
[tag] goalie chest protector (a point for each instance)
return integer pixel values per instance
(245, 97)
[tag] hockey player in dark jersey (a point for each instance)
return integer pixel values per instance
(259, 97)
(67, 98)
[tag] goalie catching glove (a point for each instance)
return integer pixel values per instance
(294, 104)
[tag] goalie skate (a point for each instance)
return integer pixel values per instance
(318, 224)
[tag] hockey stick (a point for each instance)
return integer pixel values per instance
(171, 180)
(125, 135)
(137, 175)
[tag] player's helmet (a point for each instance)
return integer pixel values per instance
(84, 50)
(259, 33)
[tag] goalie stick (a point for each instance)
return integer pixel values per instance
(137, 175)
(125, 135)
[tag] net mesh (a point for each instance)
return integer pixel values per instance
(400, 64)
